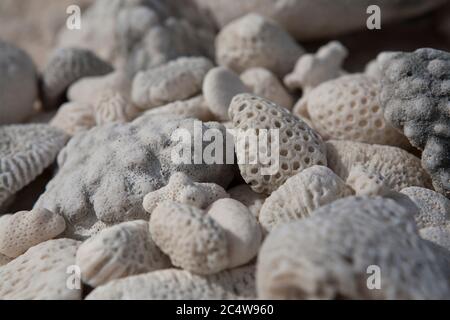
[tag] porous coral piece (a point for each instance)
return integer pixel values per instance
(42, 273)
(434, 208)
(347, 108)
(25, 151)
(219, 87)
(193, 240)
(65, 66)
(265, 84)
(331, 255)
(415, 93)
(195, 107)
(175, 284)
(24, 229)
(244, 194)
(293, 145)
(74, 117)
(183, 189)
(119, 251)
(112, 106)
(300, 195)
(254, 41)
(175, 80)
(367, 183)
(242, 230)
(87, 89)
(312, 69)
(104, 173)
(18, 83)
(399, 168)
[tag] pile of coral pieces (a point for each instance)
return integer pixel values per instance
(363, 177)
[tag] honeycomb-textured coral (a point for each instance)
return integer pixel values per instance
(254, 41)
(66, 66)
(112, 106)
(183, 189)
(25, 229)
(41, 273)
(193, 240)
(104, 173)
(313, 69)
(300, 195)
(415, 98)
(18, 83)
(347, 108)
(434, 208)
(120, 251)
(399, 168)
(175, 284)
(242, 230)
(265, 84)
(288, 144)
(177, 80)
(195, 107)
(74, 117)
(366, 183)
(332, 255)
(25, 151)
(244, 194)
(219, 87)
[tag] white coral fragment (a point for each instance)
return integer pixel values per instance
(264, 83)
(254, 41)
(175, 284)
(313, 69)
(41, 273)
(119, 251)
(176, 80)
(300, 195)
(25, 229)
(183, 189)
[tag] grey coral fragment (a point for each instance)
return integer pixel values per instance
(105, 172)
(331, 255)
(66, 66)
(415, 97)
(18, 84)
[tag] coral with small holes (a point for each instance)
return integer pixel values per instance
(25, 229)
(295, 148)
(347, 108)
(399, 168)
(119, 251)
